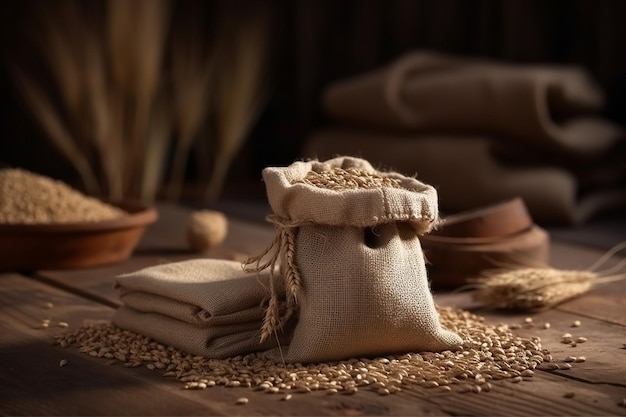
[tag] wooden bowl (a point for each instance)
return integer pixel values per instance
(471, 242)
(73, 245)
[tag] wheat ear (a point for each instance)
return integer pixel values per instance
(239, 91)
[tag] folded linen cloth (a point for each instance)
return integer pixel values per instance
(207, 307)
(556, 107)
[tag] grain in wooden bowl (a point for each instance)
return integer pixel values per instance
(45, 224)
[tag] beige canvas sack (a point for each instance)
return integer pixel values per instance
(557, 107)
(351, 260)
(552, 194)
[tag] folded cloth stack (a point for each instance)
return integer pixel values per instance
(207, 307)
(455, 120)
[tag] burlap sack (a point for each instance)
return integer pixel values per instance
(352, 263)
(557, 107)
(468, 175)
(207, 307)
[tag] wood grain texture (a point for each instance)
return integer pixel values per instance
(33, 383)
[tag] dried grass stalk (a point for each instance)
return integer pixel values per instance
(58, 133)
(102, 113)
(63, 57)
(106, 76)
(192, 70)
(63, 54)
(137, 33)
(542, 288)
(159, 130)
(105, 62)
(279, 255)
(239, 90)
(532, 288)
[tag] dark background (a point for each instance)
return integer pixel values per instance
(317, 41)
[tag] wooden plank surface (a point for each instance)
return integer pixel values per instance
(604, 350)
(597, 384)
(606, 301)
(34, 383)
(89, 386)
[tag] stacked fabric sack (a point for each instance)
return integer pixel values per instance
(344, 277)
(482, 132)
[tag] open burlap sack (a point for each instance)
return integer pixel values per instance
(352, 264)
(207, 307)
(554, 106)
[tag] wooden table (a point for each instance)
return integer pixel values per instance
(33, 383)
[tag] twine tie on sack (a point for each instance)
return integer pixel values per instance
(282, 249)
(281, 252)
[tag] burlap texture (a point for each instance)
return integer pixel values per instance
(211, 342)
(467, 174)
(363, 289)
(365, 293)
(206, 307)
(554, 106)
(300, 203)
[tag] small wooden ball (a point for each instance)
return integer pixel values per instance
(207, 229)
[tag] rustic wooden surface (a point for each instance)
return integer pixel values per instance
(33, 383)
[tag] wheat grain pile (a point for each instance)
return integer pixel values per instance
(489, 353)
(350, 178)
(29, 198)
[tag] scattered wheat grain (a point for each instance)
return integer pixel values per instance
(489, 353)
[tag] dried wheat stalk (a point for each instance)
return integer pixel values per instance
(57, 131)
(111, 118)
(192, 70)
(63, 58)
(239, 90)
(542, 288)
(159, 130)
(136, 71)
(279, 255)
(107, 80)
(532, 288)
(102, 113)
